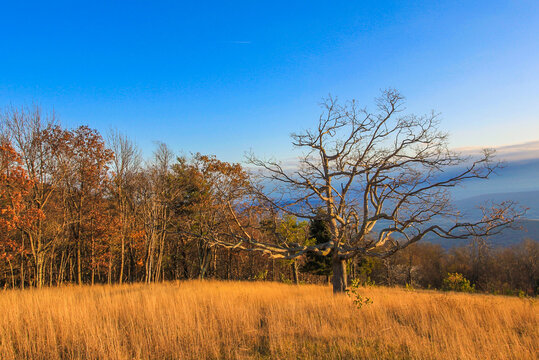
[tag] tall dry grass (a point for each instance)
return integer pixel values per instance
(234, 320)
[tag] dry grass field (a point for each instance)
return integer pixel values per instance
(237, 320)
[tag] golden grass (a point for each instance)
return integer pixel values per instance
(235, 320)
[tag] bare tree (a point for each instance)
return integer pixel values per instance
(383, 180)
(155, 195)
(125, 167)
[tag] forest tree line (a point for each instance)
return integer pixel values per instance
(79, 207)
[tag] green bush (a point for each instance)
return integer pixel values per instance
(457, 282)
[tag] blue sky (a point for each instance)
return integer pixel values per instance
(227, 77)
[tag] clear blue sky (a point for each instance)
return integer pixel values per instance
(225, 77)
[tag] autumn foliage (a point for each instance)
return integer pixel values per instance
(77, 207)
(15, 212)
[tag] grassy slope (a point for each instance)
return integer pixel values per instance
(197, 320)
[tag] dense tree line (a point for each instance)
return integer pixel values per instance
(500, 270)
(77, 207)
(80, 208)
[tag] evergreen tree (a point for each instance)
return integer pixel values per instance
(319, 233)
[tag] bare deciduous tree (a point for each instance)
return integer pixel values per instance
(155, 193)
(383, 180)
(126, 165)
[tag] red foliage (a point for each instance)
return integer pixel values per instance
(15, 212)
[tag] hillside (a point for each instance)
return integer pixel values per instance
(262, 320)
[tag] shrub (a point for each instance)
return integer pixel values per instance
(457, 282)
(358, 299)
(409, 287)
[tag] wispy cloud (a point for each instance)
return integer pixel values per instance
(241, 42)
(515, 152)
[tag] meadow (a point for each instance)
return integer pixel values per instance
(262, 320)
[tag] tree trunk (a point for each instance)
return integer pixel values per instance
(228, 264)
(40, 271)
(51, 267)
(93, 262)
(22, 272)
(79, 263)
(214, 267)
(109, 277)
(388, 272)
(12, 276)
(122, 261)
(61, 269)
(295, 273)
(339, 275)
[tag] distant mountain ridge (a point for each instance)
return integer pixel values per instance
(525, 228)
(513, 177)
(526, 199)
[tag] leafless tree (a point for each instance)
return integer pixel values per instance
(126, 165)
(381, 173)
(155, 194)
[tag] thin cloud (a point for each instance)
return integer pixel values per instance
(242, 42)
(515, 152)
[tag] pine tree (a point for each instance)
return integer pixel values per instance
(319, 233)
